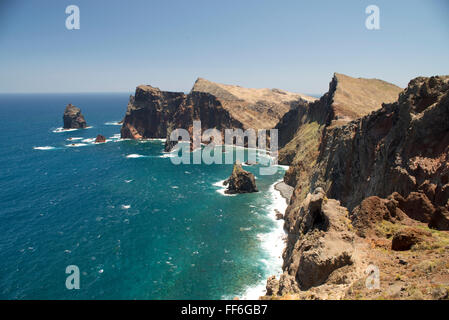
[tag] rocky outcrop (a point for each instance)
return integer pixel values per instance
(402, 147)
(404, 239)
(153, 113)
(301, 129)
(73, 118)
(319, 242)
(149, 113)
(240, 181)
(390, 170)
(100, 139)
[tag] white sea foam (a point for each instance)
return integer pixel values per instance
(113, 123)
(167, 155)
(89, 140)
(135, 156)
(222, 188)
(115, 136)
(44, 148)
(61, 129)
(125, 206)
(75, 145)
(74, 138)
(273, 243)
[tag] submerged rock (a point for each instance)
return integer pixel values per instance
(73, 118)
(240, 181)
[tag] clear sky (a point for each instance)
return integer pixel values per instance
(294, 45)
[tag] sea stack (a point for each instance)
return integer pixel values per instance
(240, 181)
(73, 118)
(100, 139)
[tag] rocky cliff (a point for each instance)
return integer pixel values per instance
(380, 191)
(301, 129)
(153, 113)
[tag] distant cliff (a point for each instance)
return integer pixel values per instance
(153, 113)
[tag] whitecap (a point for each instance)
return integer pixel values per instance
(272, 243)
(74, 138)
(135, 156)
(125, 206)
(222, 188)
(113, 123)
(44, 148)
(74, 145)
(61, 129)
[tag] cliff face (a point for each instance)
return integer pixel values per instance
(153, 113)
(402, 147)
(149, 112)
(381, 187)
(301, 129)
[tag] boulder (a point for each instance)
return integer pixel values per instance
(417, 206)
(404, 239)
(100, 139)
(240, 181)
(73, 118)
(440, 219)
(319, 242)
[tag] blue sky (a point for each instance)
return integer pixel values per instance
(294, 45)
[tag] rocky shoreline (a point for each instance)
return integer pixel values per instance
(369, 216)
(285, 190)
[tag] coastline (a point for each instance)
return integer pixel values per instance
(275, 241)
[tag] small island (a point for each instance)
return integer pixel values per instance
(240, 181)
(73, 118)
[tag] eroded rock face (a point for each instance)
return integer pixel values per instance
(240, 181)
(73, 118)
(399, 148)
(373, 210)
(153, 113)
(319, 242)
(301, 129)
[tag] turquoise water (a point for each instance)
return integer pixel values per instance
(137, 227)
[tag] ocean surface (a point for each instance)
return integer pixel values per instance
(136, 225)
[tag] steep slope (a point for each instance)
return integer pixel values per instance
(255, 108)
(397, 148)
(387, 179)
(153, 113)
(301, 129)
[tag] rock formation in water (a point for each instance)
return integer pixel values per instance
(153, 113)
(100, 139)
(240, 181)
(380, 191)
(73, 118)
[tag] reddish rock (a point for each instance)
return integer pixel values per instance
(406, 238)
(100, 139)
(417, 206)
(373, 210)
(440, 219)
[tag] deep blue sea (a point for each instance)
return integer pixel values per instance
(136, 225)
